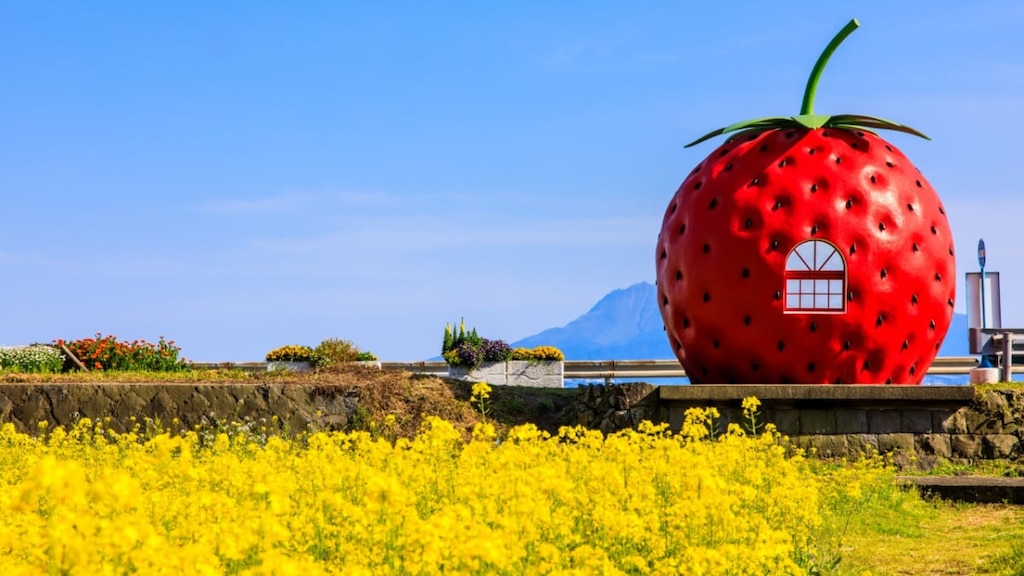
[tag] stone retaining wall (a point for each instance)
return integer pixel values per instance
(922, 423)
(296, 408)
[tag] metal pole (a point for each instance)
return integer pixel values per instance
(1007, 374)
(983, 326)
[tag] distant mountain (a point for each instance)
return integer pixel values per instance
(626, 325)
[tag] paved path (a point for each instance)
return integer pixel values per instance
(977, 489)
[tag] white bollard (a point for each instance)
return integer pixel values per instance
(984, 375)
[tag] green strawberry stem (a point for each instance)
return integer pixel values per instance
(807, 118)
(807, 107)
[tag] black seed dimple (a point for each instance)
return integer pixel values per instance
(916, 247)
(846, 345)
(764, 147)
(789, 135)
(950, 250)
(707, 247)
(839, 160)
(723, 152)
(781, 346)
(775, 244)
(889, 148)
(746, 273)
(853, 248)
(942, 210)
(754, 182)
(679, 275)
(664, 300)
(814, 327)
(878, 321)
(825, 134)
(674, 206)
(913, 299)
(698, 185)
(704, 370)
(811, 151)
(849, 204)
(931, 325)
(697, 169)
(664, 254)
(881, 226)
(910, 207)
(889, 164)
(778, 295)
(748, 223)
(866, 365)
(778, 204)
(849, 296)
(754, 366)
(888, 381)
(678, 345)
(728, 167)
(707, 297)
(686, 323)
(938, 277)
(782, 163)
(883, 273)
(950, 302)
(838, 381)
(714, 344)
(814, 230)
(682, 229)
(918, 182)
(810, 367)
(873, 180)
(934, 230)
(814, 188)
(912, 370)
(746, 320)
(906, 344)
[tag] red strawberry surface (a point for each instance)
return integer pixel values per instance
(806, 250)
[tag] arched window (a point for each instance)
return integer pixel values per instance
(815, 278)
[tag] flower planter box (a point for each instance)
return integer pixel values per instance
(368, 363)
(291, 366)
(532, 373)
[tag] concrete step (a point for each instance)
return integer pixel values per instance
(974, 489)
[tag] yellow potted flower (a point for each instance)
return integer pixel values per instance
(292, 357)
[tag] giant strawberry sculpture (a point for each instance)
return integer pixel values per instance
(806, 249)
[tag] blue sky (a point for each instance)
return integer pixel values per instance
(242, 175)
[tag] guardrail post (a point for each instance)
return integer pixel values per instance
(1007, 374)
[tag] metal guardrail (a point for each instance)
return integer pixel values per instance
(1005, 344)
(621, 369)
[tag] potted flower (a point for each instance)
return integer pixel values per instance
(542, 366)
(293, 357)
(476, 359)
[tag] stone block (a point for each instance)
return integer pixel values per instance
(935, 445)
(861, 444)
(966, 446)
(817, 422)
(493, 373)
(916, 421)
(827, 445)
(898, 442)
(851, 421)
(786, 421)
(884, 422)
(1000, 446)
(949, 422)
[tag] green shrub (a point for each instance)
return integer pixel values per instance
(367, 357)
(32, 358)
(334, 351)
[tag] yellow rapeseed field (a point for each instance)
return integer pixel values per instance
(241, 501)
